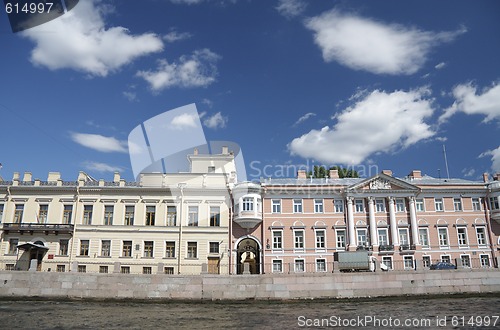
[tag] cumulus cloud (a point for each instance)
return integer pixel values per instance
(365, 44)
(79, 40)
(185, 120)
(215, 121)
(304, 118)
(469, 101)
(376, 122)
(196, 70)
(291, 8)
(440, 65)
(495, 158)
(174, 36)
(131, 96)
(100, 142)
(101, 167)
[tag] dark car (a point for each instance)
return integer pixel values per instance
(442, 265)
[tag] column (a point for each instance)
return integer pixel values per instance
(350, 224)
(413, 221)
(392, 223)
(373, 224)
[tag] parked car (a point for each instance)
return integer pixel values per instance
(442, 265)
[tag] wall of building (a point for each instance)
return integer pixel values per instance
(213, 287)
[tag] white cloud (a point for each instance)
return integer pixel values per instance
(100, 142)
(468, 172)
(185, 120)
(291, 8)
(131, 96)
(207, 102)
(304, 118)
(197, 70)
(215, 121)
(174, 36)
(378, 122)
(468, 101)
(365, 44)
(101, 167)
(79, 40)
(440, 65)
(495, 158)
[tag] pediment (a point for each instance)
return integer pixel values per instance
(383, 181)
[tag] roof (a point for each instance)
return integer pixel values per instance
(30, 246)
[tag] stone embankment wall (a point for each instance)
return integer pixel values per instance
(269, 286)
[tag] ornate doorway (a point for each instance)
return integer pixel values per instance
(248, 256)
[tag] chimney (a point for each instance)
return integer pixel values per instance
(387, 172)
(225, 150)
(496, 176)
(301, 174)
(195, 151)
(415, 174)
(53, 176)
(15, 177)
(334, 174)
(27, 176)
(116, 177)
(486, 177)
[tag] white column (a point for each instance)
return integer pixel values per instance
(350, 223)
(413, 221)
(393, 224)
(373, 224)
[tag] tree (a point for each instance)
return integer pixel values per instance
(321, 172)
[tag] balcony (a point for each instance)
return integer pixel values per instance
(407, 248)
(387, 248)
(38, 228)
(363, 248)
(495, 215)
(248, 219)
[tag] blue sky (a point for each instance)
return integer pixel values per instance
(359, 83)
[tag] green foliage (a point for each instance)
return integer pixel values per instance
(322, 172)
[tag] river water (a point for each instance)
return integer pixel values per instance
(455, 312)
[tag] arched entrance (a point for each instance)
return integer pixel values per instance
(33, 255)
(248, 256)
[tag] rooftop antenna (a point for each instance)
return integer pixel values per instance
(439, 173)
(446, 162)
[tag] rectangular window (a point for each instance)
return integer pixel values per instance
(298, 239)
(67, 214)
(382, 236)
(277, 240)
(248, 204)
(148, 249)
(193, 216)
(362, 238)
(169, 249)
(438, 204)
(360, 205)
(168, 270)
(494, 203)
(423, 235)
(105, 248)
(192, 250)
(147, 270)
(213, 248)
(462, 236)
(87, 214)
(443, 237)
(403, 236)
(419, 205)
(299, 265)
(43, 213)
(82, 268)
(408, 262)
(387, 260)
(214, 216)
(276, 206)
(84, 247)
(400, 205)
(297, 206)
(129, 215)
(340, 239)
(125, 269)
(445, 258)
(1, 212)
(476, 204)
(13, 242)
(277, 266)
(171, 215)
(481, 235)
(211, 169)
(485, 260)
(318, 206)
(61, 268)
(10, 267)
(63, 247)
(338, 205)
(103, 269)
(320, 239)
(18, 213)
(465, 260)
(380, 205)
(457, 204)
(127, 249)
(426, 261)
(150, 215)
(108, 215)
(321, 265)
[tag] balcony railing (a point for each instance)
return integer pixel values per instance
(38, 228)
(407, 247)
(386, 247)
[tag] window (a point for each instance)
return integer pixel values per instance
(338, 205)
(380, 205)
(465, 260)
(214, 216)
(318, 206)
(103, 269)
(423, 236)
(426, 261)
(400, 205)
(362, 238)
(18, 213)
(403, 236)
(494, 203)
(457, 204)
(382, 236)
(127, 249)
(63, 247)
(43, 213)
(147, 270)
(485, 260)
(438, 204)
(387, 260)
(211, 169)
(129, 215)
(150, 215)
(340, 239)
(169, 249)
(67, 214)
(298, 239)
(419, 205)
(82, 268)
(213, 247)
(1, 212)
(443, 237)
(297, 206)
(105, 248)
(359, 205)
(193, 216)
(10, 267)
(481, 235)
(462, 236)
(61, 268)
(299, 266)
(276, 206)
(277, 240)
(84, 247)
(148, 249)
(108, 215)
(320, 265)
(277, 266)
(87, 214)
(476, 204)
(320, 239)
(192, 250)
(125, 269)
(445, 258)
(408, 262)
(171, 215)
(168, 270)
(13, 242)
(248, 204)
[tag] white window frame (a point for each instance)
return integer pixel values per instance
(420, 205)
(276, 206)
(468, 260)
(320, 245)
(325, 263)
(405, 235)
(359, 206)
(318, 206)
(457, 204)
(385, 234)
(405, 262)
(275, 263)
(440, 238)
(299, 241)
(427, 263)
(487, 258)
(484, 238)
(101, 247)
(424, 246)
(476, 204)
(462, 231)
(494, 204)
(275, 242)
(296, 263)
(439, 201)
(379, 205)
(400, 205)
(247, 204)
(338, 205)
(445, 258)
(391, 264)
(366, 242)
(338, 241)
(297, 206)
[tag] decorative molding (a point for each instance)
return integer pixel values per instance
(380, 183)
(43, 200)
